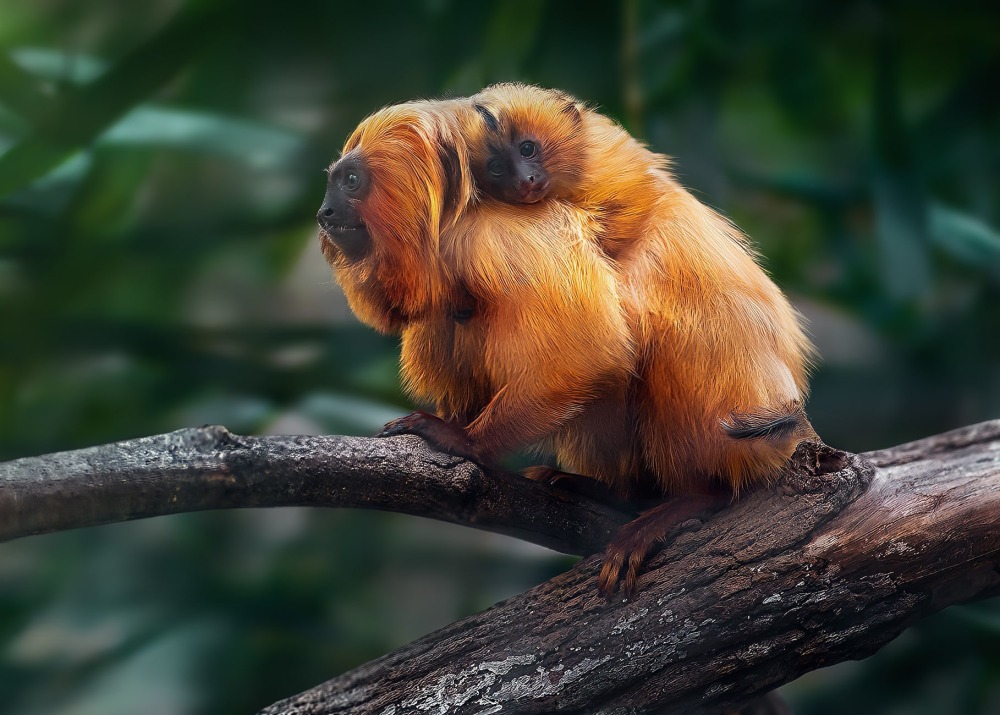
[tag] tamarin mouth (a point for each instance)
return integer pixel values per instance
(352, 240)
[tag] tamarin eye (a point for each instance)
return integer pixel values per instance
(528, 149)
(495, 167)
(351, 181)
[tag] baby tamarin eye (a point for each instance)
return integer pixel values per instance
(528, 149)
(495, 167)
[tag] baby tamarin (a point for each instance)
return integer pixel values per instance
(540, 143)
(605, 314)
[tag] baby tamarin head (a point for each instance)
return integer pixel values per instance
(401, 179)
(532, 143)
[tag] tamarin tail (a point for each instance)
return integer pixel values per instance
(770, 425)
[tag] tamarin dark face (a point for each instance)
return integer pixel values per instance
(513, 167)
(347, 186)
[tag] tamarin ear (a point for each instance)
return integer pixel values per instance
(491, 121)
(572, 110)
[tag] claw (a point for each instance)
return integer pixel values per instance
(402, 425)
(607, 580)
(541, 473)
(642, 537)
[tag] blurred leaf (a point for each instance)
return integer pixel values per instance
(259, 146)
(341, 414)
(966, 238)
(52, 64)
(512, 32)
(899, 202)
(901, 229)
(53, 191)
(22, 94)
(98, 104)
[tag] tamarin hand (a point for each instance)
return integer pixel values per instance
(445, 436)
(578, 484)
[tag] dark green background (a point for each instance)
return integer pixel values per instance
(160, 171)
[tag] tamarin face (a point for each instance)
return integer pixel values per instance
(531, 145)
(512, 169)
(347, 187)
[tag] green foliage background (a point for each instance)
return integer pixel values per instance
(160, 168)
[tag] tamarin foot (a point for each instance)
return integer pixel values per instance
(642, 537)
(443, 435)
(578, 484)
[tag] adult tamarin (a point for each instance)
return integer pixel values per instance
(510, 316)
(677, 368)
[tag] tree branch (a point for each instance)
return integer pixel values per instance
(211, 468)
(783, 582)
(820, 568)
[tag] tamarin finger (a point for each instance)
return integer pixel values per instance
(642, 537)
(445, 436)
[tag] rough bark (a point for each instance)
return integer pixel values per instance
(211, 468)
(823, 567)
(784, 581)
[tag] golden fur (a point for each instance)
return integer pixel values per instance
(620, 322)
(716, 340)
(546, 338)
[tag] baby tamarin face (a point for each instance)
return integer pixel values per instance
(532, 145)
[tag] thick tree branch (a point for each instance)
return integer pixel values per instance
(783, 582)
(821, 568)
(210, 468)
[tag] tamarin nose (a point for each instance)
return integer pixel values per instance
(329, 216)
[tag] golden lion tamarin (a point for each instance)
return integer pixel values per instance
(605, 314)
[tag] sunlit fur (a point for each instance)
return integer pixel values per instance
(592, 162)
(511, 319)
(716, 340)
